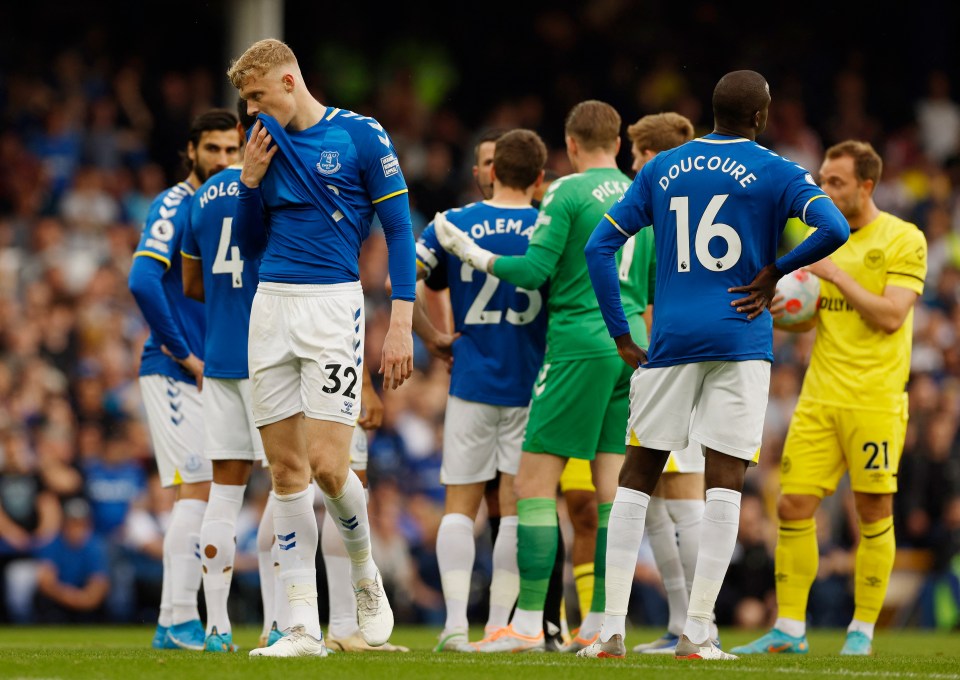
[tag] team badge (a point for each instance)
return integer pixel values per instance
(874, 259)
(329, 162)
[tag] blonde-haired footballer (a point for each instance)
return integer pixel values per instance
(852, 414)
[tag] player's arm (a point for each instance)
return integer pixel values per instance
(397, 362)
(192, 277)
(192, 264)
(815, 209)
(600, 253)
(886, 312)
(146, 275)
(432, 274)
(371, 416)
(249, 225)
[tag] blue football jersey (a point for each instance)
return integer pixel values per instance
(229, 282)
(353, 156)
(719, 204)
(162, 233)
(502, 328)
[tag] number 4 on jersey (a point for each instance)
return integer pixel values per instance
(228, 259)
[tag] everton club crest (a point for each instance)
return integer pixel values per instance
(329, 162)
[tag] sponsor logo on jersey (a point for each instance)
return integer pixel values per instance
(329, 162)
(874, 259)
(391, 166)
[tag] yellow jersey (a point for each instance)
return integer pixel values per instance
(852, 363)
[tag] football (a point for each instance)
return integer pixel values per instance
(801, 293)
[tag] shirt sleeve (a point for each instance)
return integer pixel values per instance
(908, 264)
(188, 244)
(433, 258)
(633, 211)
(250, 224)
(162, 232)
(601, 256)
(807, 201)
(146, 284)
(535, 267)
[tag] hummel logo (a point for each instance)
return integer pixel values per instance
(873, 581)
(351, 523)
(289, 537)
(176, 420)
(780, 577)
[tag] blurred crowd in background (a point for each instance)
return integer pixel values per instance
(88, 138)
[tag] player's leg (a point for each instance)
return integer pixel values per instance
(174, 416)
(267, 570)
(810, 468)
(873, 443)
(576, 485)
(469, 462)
(505, 581)
(662, 533)
(561, 422)
(233, 450)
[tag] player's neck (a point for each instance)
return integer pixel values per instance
(749, 133)
(866, 216)
(593, 161)
(309, 113)
(510, 197)
(193, 180)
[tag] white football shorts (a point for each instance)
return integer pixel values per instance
(175, 418)
(358, 450)
(687, 460)
(719, 404)
(227, 413)
(305, 351)
(479, 439)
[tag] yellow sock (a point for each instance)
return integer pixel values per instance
(796, 558)
(583, 577)
(875, 555)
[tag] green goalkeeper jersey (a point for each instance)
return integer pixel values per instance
(570, 211)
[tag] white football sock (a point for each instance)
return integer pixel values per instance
(218, 548)
(528, 622)
(166, 591)
(686, 516)
(295, 525)
(663, 542)
(265, 541)
(625, 534)
(791, 627)
(718, 538)
(184, 537)
(281, 603)
(505, 582)
(349, 510)
(343, 601)
(861, 627)
(591, 625)
(456, 552)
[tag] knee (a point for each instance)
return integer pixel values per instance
(873, 507)
(290, 474)
(584, 518)
(794, 507)
(330, 477)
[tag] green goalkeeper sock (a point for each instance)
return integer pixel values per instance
(599, 601)
(536, 550)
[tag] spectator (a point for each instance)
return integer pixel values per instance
(72, 577)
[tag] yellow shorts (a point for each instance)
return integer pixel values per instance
(577, 476)
(824, 442)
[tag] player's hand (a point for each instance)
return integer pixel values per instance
(371, 415)
(761, 291)
(396, 364)
(631, 352)
(825, 269)
(257, 156)
(458, 244)
(192, 364)
(777, 306)
(441, 347)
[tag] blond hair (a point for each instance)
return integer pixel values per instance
(661, 131)
(260, 57)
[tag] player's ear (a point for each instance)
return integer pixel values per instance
(288, 82)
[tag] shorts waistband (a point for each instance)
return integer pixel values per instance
(309, 289)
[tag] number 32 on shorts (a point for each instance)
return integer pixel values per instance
(333, 374)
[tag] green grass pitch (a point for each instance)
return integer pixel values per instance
(124, 654)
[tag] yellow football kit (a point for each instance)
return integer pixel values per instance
(852, 413)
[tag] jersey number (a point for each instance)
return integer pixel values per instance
(228, 259)
(706, 231)
(478, 314)
(873, 463)
(348, 372)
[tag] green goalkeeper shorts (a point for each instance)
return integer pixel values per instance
(580, 408)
